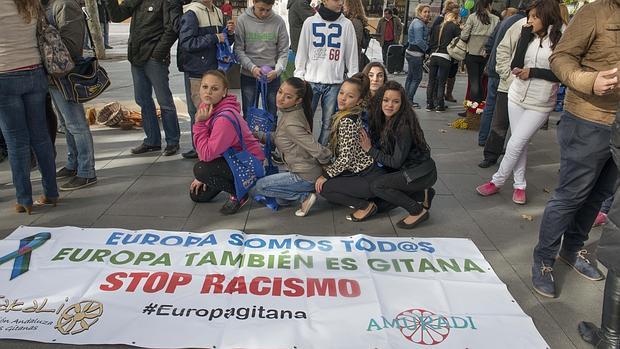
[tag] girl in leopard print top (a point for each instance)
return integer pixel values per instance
(347, 180)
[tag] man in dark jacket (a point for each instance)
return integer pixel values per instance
(67, 16)
(608, 335)
(494, 122)
(151, 35)
(201, 30)
(298, 11)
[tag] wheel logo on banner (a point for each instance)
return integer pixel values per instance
(423, 327)
(83, 314)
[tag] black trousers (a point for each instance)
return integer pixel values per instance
(217, 176)
(499, 128)
(475, 68)
(384, 49)
(393, 188)
(352, 190)
(454, 68)
(439, 70)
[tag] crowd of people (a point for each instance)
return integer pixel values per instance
(369, 152)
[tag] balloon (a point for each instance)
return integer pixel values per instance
(464, 12)
(265, 69)
(469, 4)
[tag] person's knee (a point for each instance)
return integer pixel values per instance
(377, 187)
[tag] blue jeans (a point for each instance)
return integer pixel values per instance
(249, 93)
(489, 108)
(587, 178)
(153, 75)
(328, 94)
(414, 75)
(284, 186)
(80, 149)
(191, 108)
(23, 125)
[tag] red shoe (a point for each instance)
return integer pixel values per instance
(518, 196)
(601, 218)
(487, 189)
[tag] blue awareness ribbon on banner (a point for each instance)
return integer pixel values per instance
(22, 255)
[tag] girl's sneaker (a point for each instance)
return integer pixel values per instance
(518, 196)
(306, 205)
(232, 205)
(601, 218)
(487, 189)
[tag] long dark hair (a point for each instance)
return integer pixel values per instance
(303, 91)
(549, 13)
(482, 11)
(28, 9)
(372, 99)
(385, 132)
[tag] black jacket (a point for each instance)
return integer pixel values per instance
(609, 246)
(414, 161)
(151, 33)
(450, 31)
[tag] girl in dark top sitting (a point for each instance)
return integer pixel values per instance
(398, 144)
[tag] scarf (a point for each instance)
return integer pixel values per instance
(336, 118)
(328, 14)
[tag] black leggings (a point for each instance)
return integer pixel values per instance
(475, 68)
(217, 176)
(393, 188)
(351, 190)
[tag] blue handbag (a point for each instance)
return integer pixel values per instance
(225, 55)
(259, 119)
(245, 167)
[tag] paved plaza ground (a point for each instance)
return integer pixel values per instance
(151, 191)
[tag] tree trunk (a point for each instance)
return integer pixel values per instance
(95, 28)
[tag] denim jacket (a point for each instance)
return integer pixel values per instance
(418, 36)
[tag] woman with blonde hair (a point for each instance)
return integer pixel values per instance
(418, 45)
(354, 11)
(23, 89)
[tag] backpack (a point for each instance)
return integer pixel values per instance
(365, 38)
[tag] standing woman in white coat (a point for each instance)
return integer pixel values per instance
(532, 94)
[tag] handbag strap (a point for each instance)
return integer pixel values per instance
(234, 122)
(261, 88)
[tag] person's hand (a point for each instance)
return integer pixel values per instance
(318, 185)
(606, 82)
(272, 75)
(230, 27)
(256, 73)
(196, 187)
(365, 141)
(524, 74)
(220, 37)
(204, 113)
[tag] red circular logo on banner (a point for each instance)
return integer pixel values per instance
(421, 326)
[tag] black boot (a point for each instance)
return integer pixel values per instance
(449, 87)
(608, 336)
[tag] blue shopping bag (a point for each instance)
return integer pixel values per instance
(245, 167)
(258, 118)
(225, 55)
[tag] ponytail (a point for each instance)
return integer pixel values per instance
(303, 90)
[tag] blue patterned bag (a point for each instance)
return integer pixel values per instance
(246, 168)
(259, 119)
(225, 55)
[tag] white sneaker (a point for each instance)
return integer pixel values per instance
(306, 205)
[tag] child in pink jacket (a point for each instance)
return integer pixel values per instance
(213, 137)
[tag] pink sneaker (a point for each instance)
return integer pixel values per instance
(601, 218)
(518, 196)
(487, 189)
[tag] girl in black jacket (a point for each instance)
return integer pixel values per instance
(440, 63)
(397, 143)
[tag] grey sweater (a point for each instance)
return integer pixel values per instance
(261, 42)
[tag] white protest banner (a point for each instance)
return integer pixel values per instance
(225, 289)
